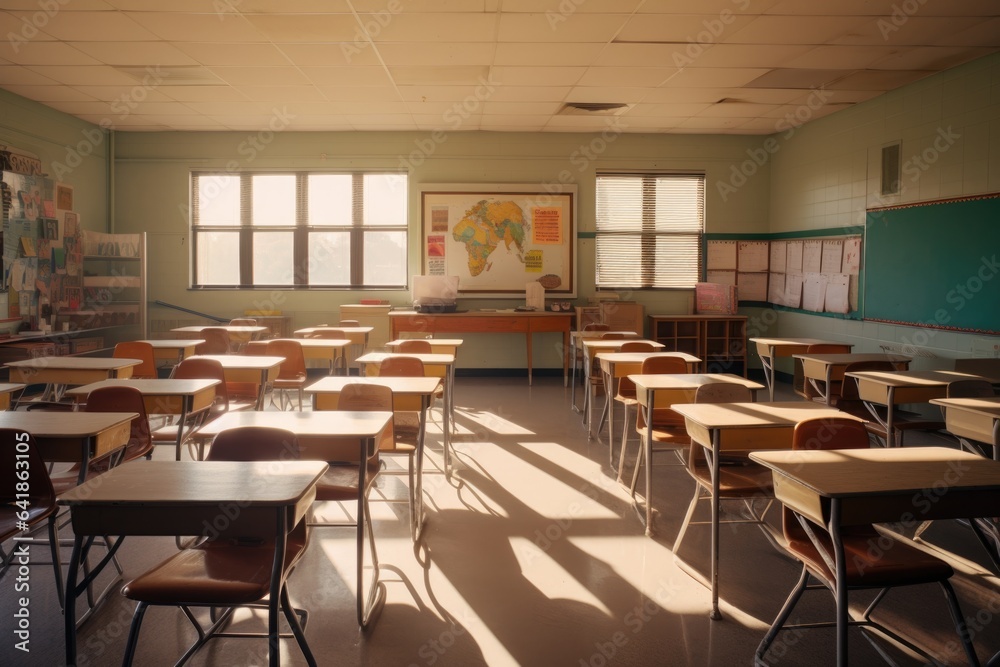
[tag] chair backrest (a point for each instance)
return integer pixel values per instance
(216, 341)
(243, 322)
(254, 443)
(401, 367)
(722, 392)
(124, 399)
(614, 335)
(349, 323)
(206, 369)
(256, 348)
(822, 433)
(662, 365)
(294, 365)
(970, 389)
(596, 326)
(637, 346)
(366, 397)
(415, 346)
(828, 348)
(137, 349)
(17, 445)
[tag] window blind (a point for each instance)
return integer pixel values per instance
(649, 230)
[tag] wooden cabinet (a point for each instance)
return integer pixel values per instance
(114, 287)
(720, 341)
(618, 315)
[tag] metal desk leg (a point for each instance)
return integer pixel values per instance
(713, 466)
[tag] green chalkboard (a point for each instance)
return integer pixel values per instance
(935, 265)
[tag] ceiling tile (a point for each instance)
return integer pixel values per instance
(359, 93)
(135, 54)
(532, 54)
(261, 76)
(340, 54)
(302, 93)
(347, 76)
(305, 27)
(841, 57)
(538, 76)
(90, 26)
(204, 93)
(229, 54)
(530, 108)
(86, 75)
(688, 29)
(50, 93)
(648, 77)
(38, 52)
(607, 94)
(674, 110)
(423, 28)
(457, 54)
(180, 27)
(878, 80)
(111, 93)
(549, 27)
(793, 29)
(710, 77)
(748, 55)
(530, 93)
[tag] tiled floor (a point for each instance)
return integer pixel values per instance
(533, 555)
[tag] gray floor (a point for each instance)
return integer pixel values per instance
(533, 555)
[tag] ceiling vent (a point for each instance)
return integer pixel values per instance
(594, 108)
(173, 76)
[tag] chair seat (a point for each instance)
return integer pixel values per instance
(669, 435)
(10, 522)
(736, 478)
(218, 573)
(868, 565)
(340, 482)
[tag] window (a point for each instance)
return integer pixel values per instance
(299, 230)
(649, 230)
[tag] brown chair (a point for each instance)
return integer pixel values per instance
(667, 427)
(739, 478)
(414, 346)
(216, 341)
(596, 326)
(351, 480)
(901, 564)
(625, 394)
(141, 350)
(814, 390)
(292, 372)
(18, 452)
(227, 571)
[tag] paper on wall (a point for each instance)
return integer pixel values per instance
(837, 291)
(793, 290)
(814, 291)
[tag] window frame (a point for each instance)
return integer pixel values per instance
(301, 229)
(649, 233)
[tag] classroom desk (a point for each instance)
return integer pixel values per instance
(435, 365)
(438, 345)
(238, 335)
(526, 322)
(59, 372)
(576, 350)
(769, 349)
(259, 370)
(838, 488)
(7, 389)
(181, 498)
(616, 365)
(718, 427)
(976, 419)
(829, 368)
(172, 351)
(409, 394)
(591, 348)
(327, 350)
(73, 437)
(357, 335)
(189, 399)
(892, 388)
(664, 390)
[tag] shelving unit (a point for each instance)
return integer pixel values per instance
(718, 340)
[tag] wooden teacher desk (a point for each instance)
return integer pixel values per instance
(173, 498)
(850, 487)
(526, 322)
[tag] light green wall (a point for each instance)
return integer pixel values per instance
(72, 152)
(152, 177)
(827, 173)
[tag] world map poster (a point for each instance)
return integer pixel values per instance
(497, 241)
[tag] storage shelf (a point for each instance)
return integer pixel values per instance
(718, 340)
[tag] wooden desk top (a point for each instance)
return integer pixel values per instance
(844, 359)
(66, 425)
(754, 415)
(482, 313)
(198, 328)
(794, 342)
(172, 343)
(576, 335)
(75, 363)
(639, 357)
(842, 473)
(338, 343)
(243, 361)
(913, 378)
(443, 342)
(323, 424)
(988, 406)
(298, 333)
(379, 357)
(398, 385)
(688, 381)
(595, 345)
(10, 387)
(148, 387)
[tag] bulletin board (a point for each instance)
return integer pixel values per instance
(935, 264)
(498, 238)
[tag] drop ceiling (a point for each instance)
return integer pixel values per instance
(677, 66)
